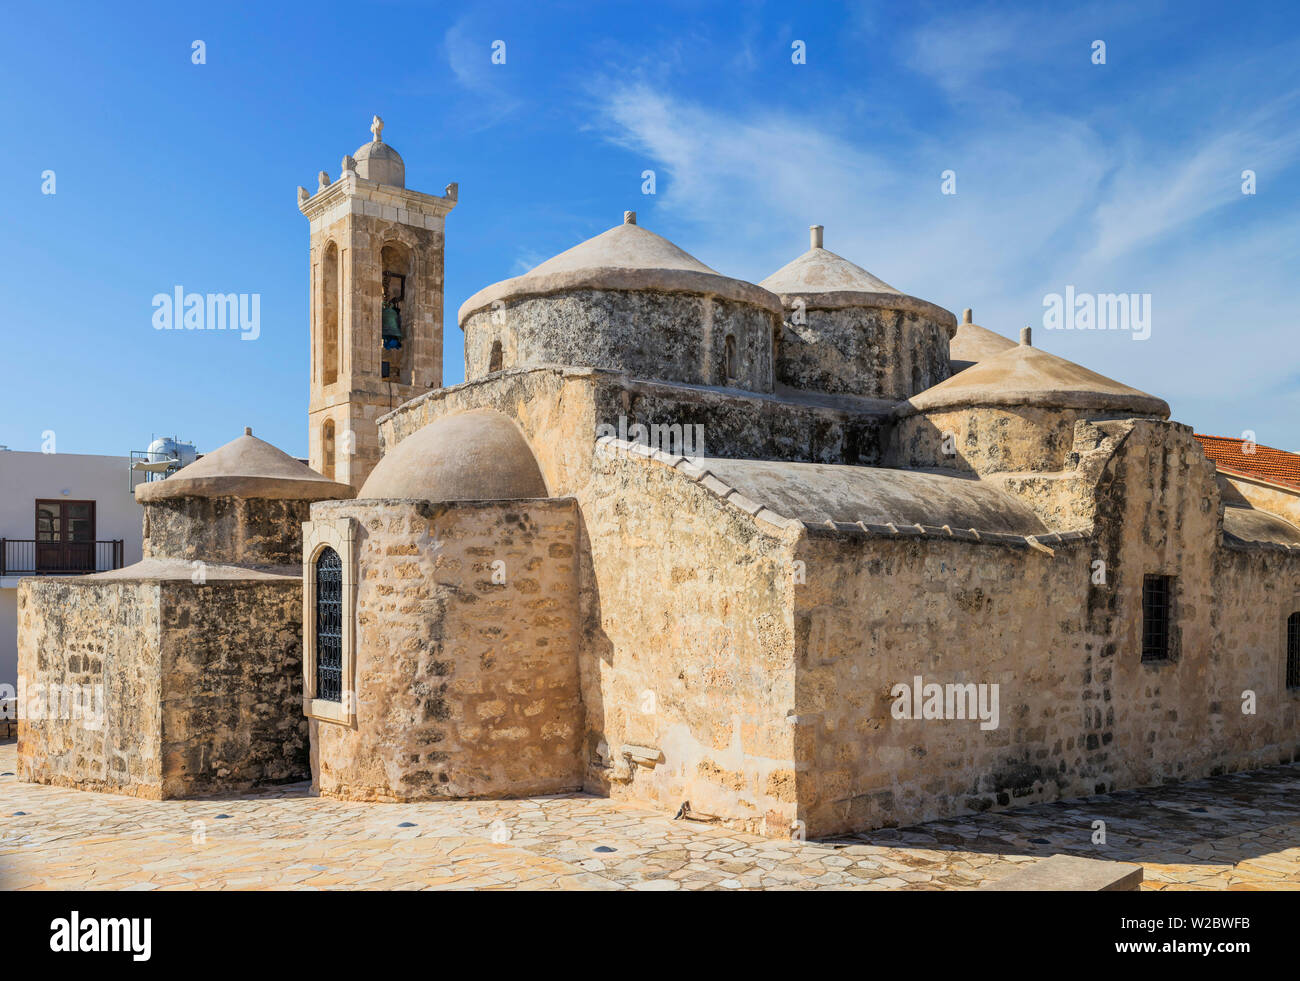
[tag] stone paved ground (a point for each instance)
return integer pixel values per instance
(1236, 832)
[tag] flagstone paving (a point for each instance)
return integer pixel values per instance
(1234, 832)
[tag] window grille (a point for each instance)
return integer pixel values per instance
(329, 626)
(1156, 599)
(1293, 651)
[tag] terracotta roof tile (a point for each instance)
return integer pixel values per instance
(1265, 462)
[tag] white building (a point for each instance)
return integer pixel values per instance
(60, 514)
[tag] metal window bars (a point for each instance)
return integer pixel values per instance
(329, 626)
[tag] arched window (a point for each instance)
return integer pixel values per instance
(329, 626)
(328, 321)
(729, 358)
(328, 620)
(396, 317)
(1293, 651)
(327, 449)
(494, 363)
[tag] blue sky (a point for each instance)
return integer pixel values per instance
(1123, 178)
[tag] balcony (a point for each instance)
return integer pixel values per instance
(30, 557)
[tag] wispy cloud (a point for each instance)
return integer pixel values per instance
(527, 260)
(1045, 198)
(469, 55)
(745, 186)
(1162, 190)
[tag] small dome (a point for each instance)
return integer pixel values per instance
(821, 271)
(1250, 525)
(973, 344)
(1027, 376)
(246, 467)
(826, 281)
(474, 456)
(379, 162)
(626, 257)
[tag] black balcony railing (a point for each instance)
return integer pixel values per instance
(29, 557)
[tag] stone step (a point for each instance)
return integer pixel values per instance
(1069, 872)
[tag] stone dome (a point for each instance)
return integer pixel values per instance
(1249, 525)
(473, 456)
(826, 281)
(246, 467)
(625, 257)
(379, 162)
(847, 332)
(973, 344)
(821, 271)
(1028, 376)
(626, 300)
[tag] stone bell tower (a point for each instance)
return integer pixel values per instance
(376, 303)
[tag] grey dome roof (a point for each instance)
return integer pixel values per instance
(1250, 525)
(823, 280)
(973, 344)
(625, 257)
(473, 456)
(246, 467)
(816, 493)
(1028, 376)
(821, 271)
(379, 162)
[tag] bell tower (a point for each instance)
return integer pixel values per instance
(376, 303)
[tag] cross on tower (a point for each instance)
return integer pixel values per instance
(377, 127)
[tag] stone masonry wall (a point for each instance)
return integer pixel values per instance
(466, 687)
(984, 440)
(878, 353)
(559, 411)
(1080, 712)
(197, 687)
(97, 646)
(687, 657)
(231, 686)
(672, 336)
(233, 530)
(878, 612)
(1256, 589)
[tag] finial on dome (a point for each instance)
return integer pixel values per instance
(966, 316)
(1027, 336)
(248, 430)
(815, 235)
(629, 217)
(377, 128)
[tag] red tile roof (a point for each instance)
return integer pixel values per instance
(1265, 463)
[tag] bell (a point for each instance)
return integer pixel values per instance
(391, 330)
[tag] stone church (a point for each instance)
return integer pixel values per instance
(802, 556)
